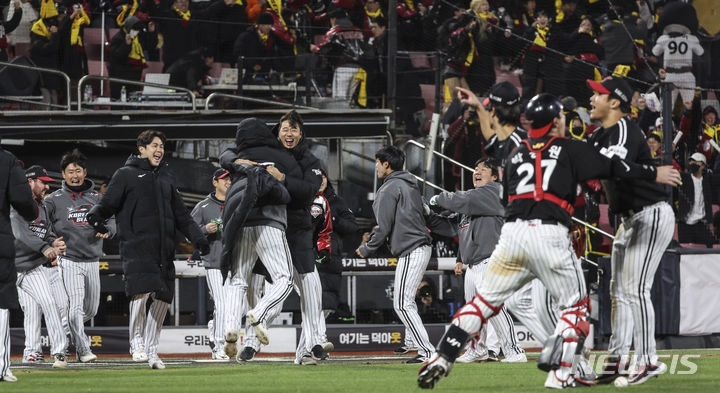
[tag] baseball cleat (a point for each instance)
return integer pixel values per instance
(646, 372)
(308, 360)
(614, 367)
(156, 364)
(87, 357)
(231, 338)
(33, 358)
(9, 377)
(492, 356)
(139, 356)
(247, 354)
(432, 371)
(471, 357)
(318, 353)
(60, 361)
(552, 382)
(328, 346)
(404, 349)
(417, 359)
(260, 330)
(219, 355)
(515, 358)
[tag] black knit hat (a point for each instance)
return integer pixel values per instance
(265, 19)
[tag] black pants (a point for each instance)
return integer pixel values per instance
(699, 233)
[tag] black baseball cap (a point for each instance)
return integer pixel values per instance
(503, 93)
(615, 87)
(220, 173)
(37, 172)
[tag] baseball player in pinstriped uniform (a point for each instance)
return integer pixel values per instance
(478, 230)
(677, 47)
(399, 213)
(15, 192)
(32, 319)
(541, 179)
(79, 267)
(646, 231)
(35, 245)
(208, 214)
(253, 232)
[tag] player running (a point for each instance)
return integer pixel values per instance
(541, 178)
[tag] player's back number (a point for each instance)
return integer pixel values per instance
(681, 47)
(527, 171)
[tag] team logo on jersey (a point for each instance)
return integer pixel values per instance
(39, 229)
(77, 214)
(316, 210)
(538, 145)
(317, 172)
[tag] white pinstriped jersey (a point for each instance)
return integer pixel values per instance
(677, 51)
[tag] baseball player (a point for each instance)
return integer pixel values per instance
(677, 49)
(15, 192)
(150, 212)
(647, 228)
(257, 232)
(35, 245)
(399, 212)
(79, 268)
(541, 181)
(208, 214)
(479, 228)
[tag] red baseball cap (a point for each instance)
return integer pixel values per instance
(613, 86)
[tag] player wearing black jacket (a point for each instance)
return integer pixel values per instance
(15, 193)
(541, 179)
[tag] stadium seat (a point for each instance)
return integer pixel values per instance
(93, 42)
(428, 94)
(21, 49)
(692, 245)
(420, 60)
(94, 67)
(153, 67)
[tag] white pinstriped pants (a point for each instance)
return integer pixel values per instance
(82, 285)
(256, 288)
(217, 291)
(408, 275)
(35, 284)
(535, 308)
(144, 331)
(637, 250)
(32, 319)
(502, 324)
(270, 245)
(60, 296)
(4, 342)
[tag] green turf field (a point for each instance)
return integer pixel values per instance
(334, 376)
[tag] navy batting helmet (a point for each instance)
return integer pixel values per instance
(540, 112)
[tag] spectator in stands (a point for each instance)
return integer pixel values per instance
(430, 308)
(17, 16)
(254, 9)
(72, 59)
(287, 44)
(535, 65)
(582, 46)
(179, 27)
(464, 144)
(695, 203)
(654, 141)
(44, 51)
(231, 24)
(257, 47)
(410, 14)
(191, 69)
(126, 56)
(373, 9)
(619, 46)
(702, 130)
(344, 46)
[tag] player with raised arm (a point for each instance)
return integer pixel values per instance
(542, 176)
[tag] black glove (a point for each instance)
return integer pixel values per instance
(100, 228)
(203, 246)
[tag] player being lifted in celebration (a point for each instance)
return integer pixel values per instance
(399, 212)
(647, 228)
(149, 210)
(208, 214)
(541, 178)
(79, 267)
(481, 219)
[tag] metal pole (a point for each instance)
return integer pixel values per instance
(176, 301)
(309, 61)
(438, 83)
(102, 50)
(392, 59)
(667, 92)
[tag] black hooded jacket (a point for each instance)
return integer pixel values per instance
(15, 192)
(254, 198)
(148, 210)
